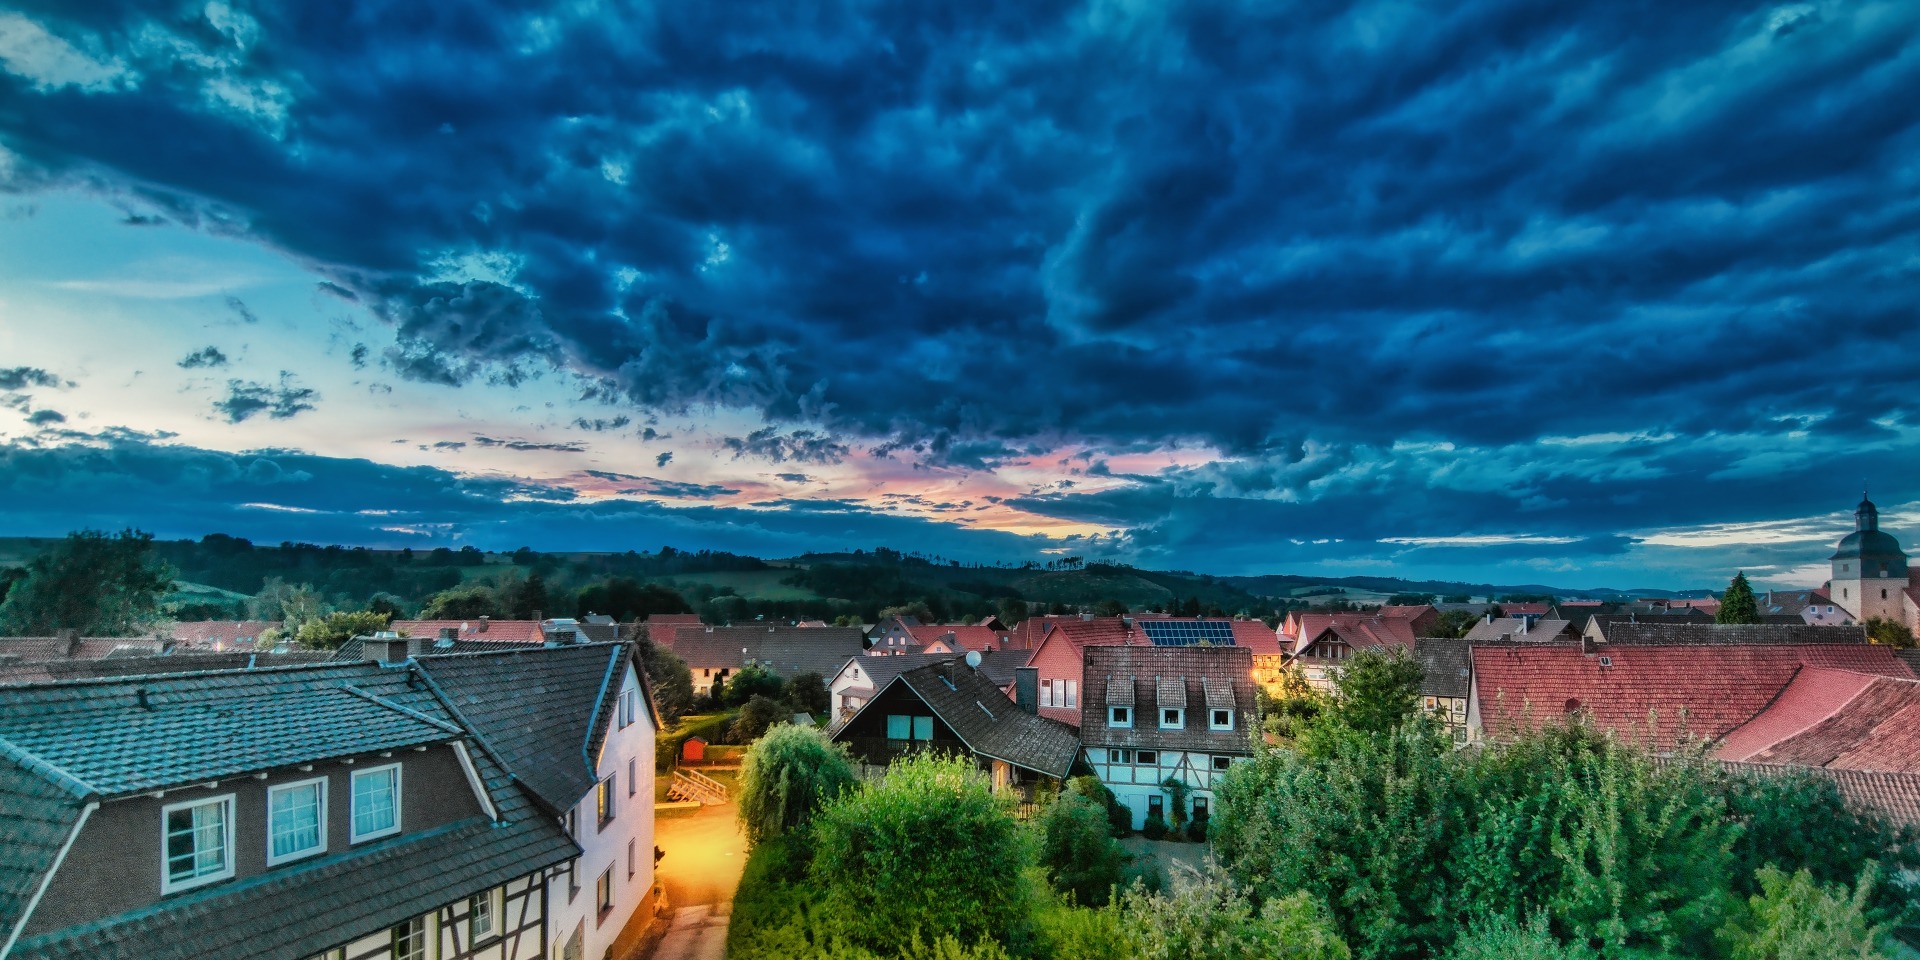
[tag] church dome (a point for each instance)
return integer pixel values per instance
(1870, 545)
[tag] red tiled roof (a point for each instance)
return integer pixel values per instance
(1868, 723)
(1256, 636)
(965, 636)
(1895, 796)
(1409, 611)
(1705, 690)
(515, 631)
(1101, 631)
(226, 633)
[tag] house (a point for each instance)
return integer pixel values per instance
(1337, 638)
(1155, 713)
(1533, 610)
(715, 653)
(896, 631)
(333, 810)
(37, 659)
(859, 678)
(1422, 617)
(1059, 656)
(219, 635)
(661, 628)
(1834, 718)
(1446, 684)
(576, 724)
(957, 638)
(951, 707)
(477, 630)
(1894, 797)
(1536, 629)
(131, 663)
(1871, 577)
(1658, 693)
(1376, 630)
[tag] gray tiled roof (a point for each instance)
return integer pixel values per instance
(128, 735)
(785, 650)
(295, 911)
(38, 809)
(144, 663)
(544, 710)
(1448, 666)
(1143, 671)
(1644, 634)
(1517, 628)
(1893, 796)
(990, 724)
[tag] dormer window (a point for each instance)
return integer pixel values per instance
(1119, 716)
(1172, 718)
(376, 802)
(197, 842)
(1220, 719)
(296, 820)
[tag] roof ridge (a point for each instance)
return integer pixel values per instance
(187, 674)
(486, 746)
(33, 763)
(397, 708)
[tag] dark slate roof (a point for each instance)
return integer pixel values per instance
(316, 904)
(784, 650)
(31, 659)
(1143, 670)
(990, 724)
(38, 809)
(1448, 665)
(1519, 628)
(354, 648)
(195, 727)
(544, 710)
(144, 663)
(880, 670)
(1644, 634)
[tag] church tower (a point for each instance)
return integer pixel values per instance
(1869, 569)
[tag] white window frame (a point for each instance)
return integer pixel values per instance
(353, 800)
(1119, 755)
(1213, 717)
(1115, 718)
(606, 806)
(1073, 693)
(429, 937)
(1046, 692)
(496, 902)
(629, 707)
(632, 862)
(603, 894)
(273, 861)
(170, 885)
(633, 779)
(1222, 763)
(1178, 721)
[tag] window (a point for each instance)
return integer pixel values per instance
(1072, 691)
(603, 892)
(1156, 806)
(1170, 718)
(484, 913)
(296, 820)
(570, 823)
(630, 860)
(1200, 811)
(899, 727)
(1220, 763)
(1223, 719)
(923, 728)
(197, 841)
(410, 941)
(573, 879)
(629, 707)
(1046, 693)
(1147, 758)
(376, 802)
(1119, 756)
(633, 782)
(603, 802)
(1119, 717)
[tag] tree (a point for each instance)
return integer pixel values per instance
(1737, 604)
(1110, 608)
(98, 584)
(751, 681)
(929, 851)
(1453, 623)
(807, 692)
(291, 604)
(469, 602)
(1794, 918)
(624, 598)
(1077, 850)
(1011, 610)
(788, 775)
(1796, 821)
(1410, 599)
(334, 629)
(918, 610)
(1890, 633)
(670, 678)
(757, 716)
(1374, 692)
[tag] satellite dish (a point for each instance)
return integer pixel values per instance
(973, 659)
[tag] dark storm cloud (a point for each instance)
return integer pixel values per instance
(45, 418)
(110, 482)
(240, 309)
(525, 445)
(663, 459)
(602, 424)
(280, 401)
(956, 234)
(204, 357)
(22, 378)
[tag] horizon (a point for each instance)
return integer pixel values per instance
(1471, 295)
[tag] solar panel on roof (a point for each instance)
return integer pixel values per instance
(1187, 633)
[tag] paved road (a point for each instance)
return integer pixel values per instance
(705, 854)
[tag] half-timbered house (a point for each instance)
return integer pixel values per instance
(1152, 714)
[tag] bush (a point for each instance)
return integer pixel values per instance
(1796, 918)
(1502, 939)
(1197, 831)
(1119, 818)
(806, 692)
(928, 850)
(750, 682)
(1155, 828)
(787, 777)
(1798, 821)
(1078, 854)
(756, 717)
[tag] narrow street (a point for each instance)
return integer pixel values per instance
(705, 855)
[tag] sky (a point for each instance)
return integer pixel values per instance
(1601, 294)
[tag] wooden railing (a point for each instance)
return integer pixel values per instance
(688, 785)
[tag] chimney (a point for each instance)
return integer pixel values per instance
(537, 618)
(483, 623)
(72, 637)
(1587, 647)
(1026, 688)
(1524, 623)
(1489, 616)
(385, 647)
(446, 638)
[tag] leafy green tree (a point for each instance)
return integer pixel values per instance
(1795, 918)
(291, 604)
(1375, 692)
(1213, 920)
(928, 850)
(757, 716)
(1011, 610)
(1737, 605)
(100, 584)
(624, 599)
(334, 629)
(1410, 599)
(469, 602)
(670, 678)
(1890, 633)
(749, 682)
(1077, 850)
(1501, 938)
(1796, 821)
(1110, 608)
(788, 775)
(1453, 624)
(806, 692)
(917, 609)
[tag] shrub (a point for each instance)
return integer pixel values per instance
(756, 717)
(1213, 920)
(1077, 852)
(1500, 938)
(1197, 831)
(750, 682)
(1796, 918)
(1155, 828)
(788, 775)
(929, 850)
(1119, 818)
